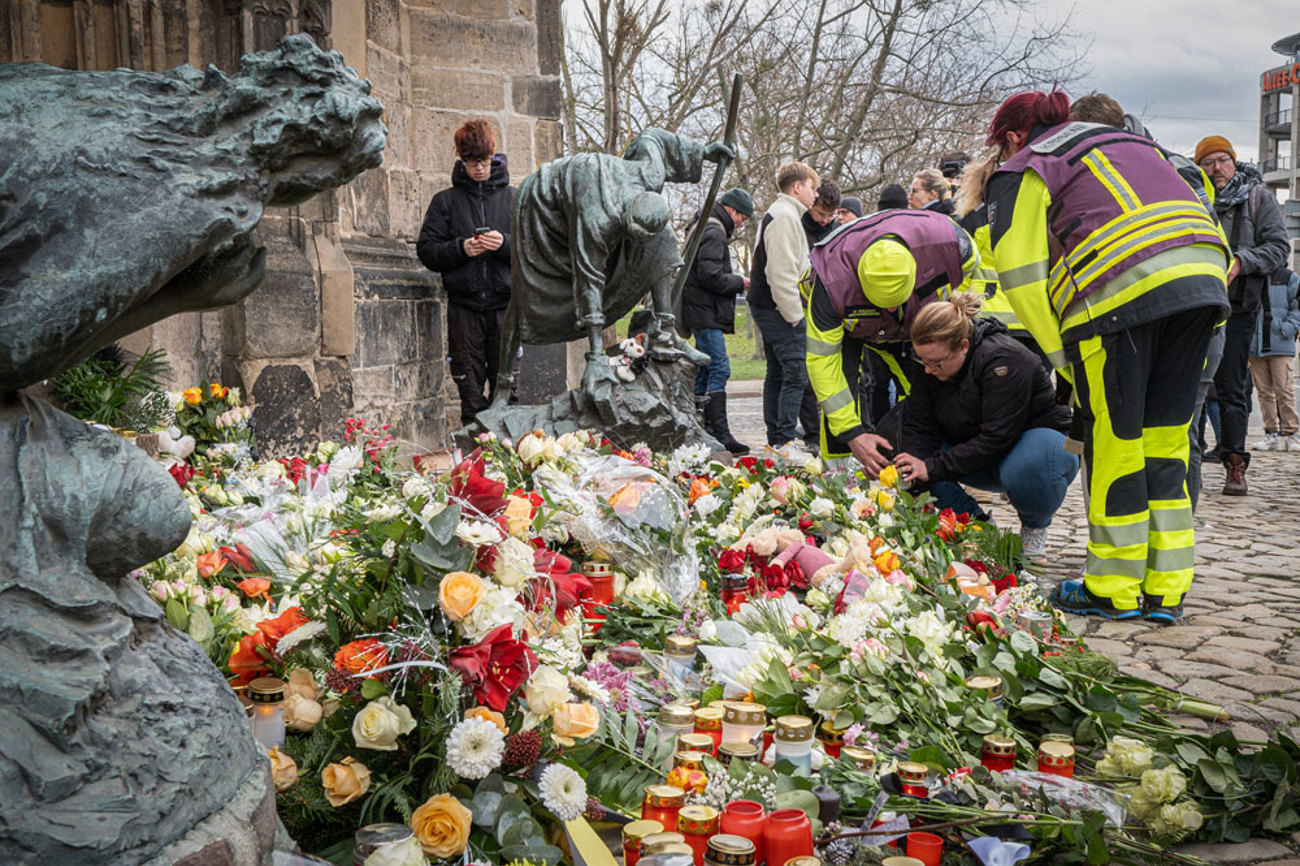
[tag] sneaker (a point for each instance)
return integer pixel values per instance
(1161, 614)
(1072, 596)
(1289, 443)
(1270, 442)
(1034, 542)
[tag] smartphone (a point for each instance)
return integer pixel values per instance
(482, 230)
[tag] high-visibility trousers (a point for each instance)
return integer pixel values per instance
(902, 368)
(1136, 389)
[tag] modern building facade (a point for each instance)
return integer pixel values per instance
(1279, 132)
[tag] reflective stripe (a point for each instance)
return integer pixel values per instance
(1118, 536)
(1194, 254)
(1098, 566)
(821, 347)
(1132, 222)
(1180, 559)
(1172, 519)
(1024, 275)
(1101, 166)
(837, 401)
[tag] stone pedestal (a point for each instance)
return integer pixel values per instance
(244, 833)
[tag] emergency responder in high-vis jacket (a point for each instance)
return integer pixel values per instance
(869, 280)
(1118, 270)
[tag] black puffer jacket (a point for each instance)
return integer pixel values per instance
(479, 282)
(709, 296)
(1001, 391)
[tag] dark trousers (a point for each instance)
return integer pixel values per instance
(474, 349)
(1232, 382)
(785, 349)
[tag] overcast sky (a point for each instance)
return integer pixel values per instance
(1189, 68)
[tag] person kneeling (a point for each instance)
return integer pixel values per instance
(984, 414)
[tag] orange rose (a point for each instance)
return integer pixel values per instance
(489, 716)
(459, 593)
(442, 826)
(361, 656)
(345, 782)
(250, 658)
(575, 721)
(254, 587)
(518, 516)
(218, 391)
(701, 487)
(193, 396)
(210, 563)
(284, 770)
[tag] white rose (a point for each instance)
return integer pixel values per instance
(821, 507)
(514, 563)
(380, 723)
(404, 853)
(547, 689)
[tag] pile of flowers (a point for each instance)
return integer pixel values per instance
(452, 663)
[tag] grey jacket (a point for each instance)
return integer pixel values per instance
(1278, 320)
(1260, 244)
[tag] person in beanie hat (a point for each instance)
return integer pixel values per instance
(1252, 222)
(892, 197)
(709, 309)
(1117, 268)
(850, 209)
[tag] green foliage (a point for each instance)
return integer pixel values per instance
(619, 763)
(104, 389)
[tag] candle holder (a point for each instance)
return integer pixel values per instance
(787, 834)
(634, 833)
(1056, 758)
(662, 803)
(267, 697)
(998, 753)
(914, 777)
(698, 824)
(745, 818)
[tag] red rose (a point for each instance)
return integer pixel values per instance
(182, 472)
(794, 574)
(1007, 581)
(495, 667)
(749, 462)
(731, 561)
(775, 577)
(805, 522)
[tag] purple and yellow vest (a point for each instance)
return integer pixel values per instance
(931, 238)
(1116, 202)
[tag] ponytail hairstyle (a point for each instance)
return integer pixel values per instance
(947, 322)
(1024, 111)
(974, 178)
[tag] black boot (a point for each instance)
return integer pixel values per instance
(715, 421)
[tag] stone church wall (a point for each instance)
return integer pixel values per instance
(348, 322)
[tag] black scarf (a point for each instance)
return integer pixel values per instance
(1238, 189)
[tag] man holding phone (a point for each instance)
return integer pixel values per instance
(466, 239)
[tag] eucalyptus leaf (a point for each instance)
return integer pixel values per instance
(533, 853)
(486, 808)
(799, 799)
(1023, 644)
(201, 628)
(176, 614)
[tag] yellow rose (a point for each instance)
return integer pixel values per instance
(459, 593)
(519, 516)
(284, 770)
(575, 721)
(889, 476)
(442, 826)
(345, 782)
(882, 499)
(301, 714)
(193, 396)
(380, 724)
(489, 716)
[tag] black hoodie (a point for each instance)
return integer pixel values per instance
(479, 282)
(1001, 391)
(709, 296)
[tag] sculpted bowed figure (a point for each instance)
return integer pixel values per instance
(590, 239)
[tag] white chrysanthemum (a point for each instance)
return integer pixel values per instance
(563, 791)
(589, 688)
(431, 510)
(297, 636)
(415, 487)
(687, 458)
(707, 504)
(383, 513)
(478, 533)
(346, 461)
(475, 747)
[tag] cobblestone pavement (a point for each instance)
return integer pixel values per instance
(1238, 643)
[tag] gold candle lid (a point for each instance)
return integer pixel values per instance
(794, 728)
(807, 860)
(665, 796)
(1057, 738)
(676, 848)
(708, 718)
(902, 861)
(991, 686)
(828, 733)
(1056, 754)
(697, 819)
(676, 715)
(997, 744)
(744, 713)
(639, 830)
(864, 758)
(911, 771)
(691, 760)
(694, 743)
(720, 703)
(743, 751)
(266, 690)
(680, 645)
(656, 842)
(726, 849)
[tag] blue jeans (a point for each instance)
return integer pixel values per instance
(1035, 474)
(785, 349)
(713, 377)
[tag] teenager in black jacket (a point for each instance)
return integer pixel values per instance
(709, 309)
(466, 238)
(984, 414)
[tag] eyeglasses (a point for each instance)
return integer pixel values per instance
(936, 366)
(477, 162)
(1211, 161)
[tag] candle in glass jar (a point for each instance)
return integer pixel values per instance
(787, 834)
(832, 739)
(998, 753)
(743, 721)
(698, 824)
(708, 720)
(725, 849)
(729, 752)
(267, 697)
(655, 843)
(734, 591)
(793, 742)
(679, 651)
(662, 803)
(675, 720)
(745, 818)
(864, 758)
(914, 777)
(990, 687)
(634, 833)
(1056, 758)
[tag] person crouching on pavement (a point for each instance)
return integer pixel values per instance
(983, 413)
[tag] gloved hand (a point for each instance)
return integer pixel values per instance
(718, 151)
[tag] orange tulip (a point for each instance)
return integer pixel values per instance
(210, 563)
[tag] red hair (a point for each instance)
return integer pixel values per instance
(1024, 111)
(474, 140)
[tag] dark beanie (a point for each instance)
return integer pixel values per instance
(852, 203)
(892, 197)
(739, 200)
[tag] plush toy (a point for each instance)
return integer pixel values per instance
(631, 358)
(175, 446)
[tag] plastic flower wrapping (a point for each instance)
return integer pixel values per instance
(481, 653)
